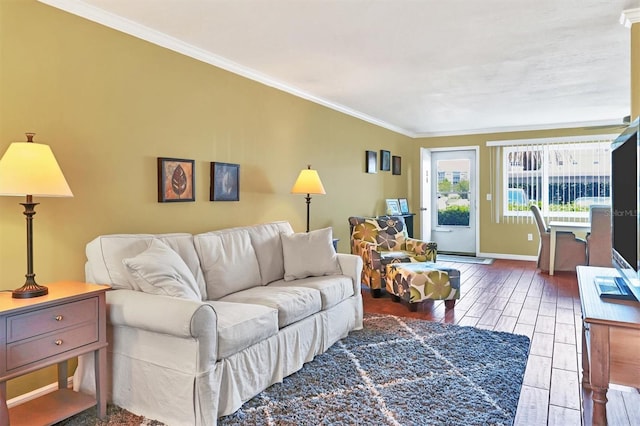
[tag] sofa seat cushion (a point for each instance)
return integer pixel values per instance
(292, 303)
(240, 326)
(333, 289)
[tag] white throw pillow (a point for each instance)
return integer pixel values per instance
(309, 254)
(160, 270)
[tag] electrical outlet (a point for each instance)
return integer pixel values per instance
(530, 237)
(488, 197)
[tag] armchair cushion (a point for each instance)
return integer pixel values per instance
(309, 254)
(160, 270)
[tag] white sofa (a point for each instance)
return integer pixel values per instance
(199, 324)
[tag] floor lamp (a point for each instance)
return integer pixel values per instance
(308, 182)
(30, 169)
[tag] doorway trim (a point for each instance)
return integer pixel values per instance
(425, 188)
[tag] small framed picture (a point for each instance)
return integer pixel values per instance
(371, 160)
(396, 163)
(385, 160)
(176, 180)
(225, 182)
(404, 205)
(393, 206)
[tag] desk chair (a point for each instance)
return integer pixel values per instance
(570, 251)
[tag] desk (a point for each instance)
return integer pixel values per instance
(610, 340)
(554, 227)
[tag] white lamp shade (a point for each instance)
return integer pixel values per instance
(308, 182)
(29, 168)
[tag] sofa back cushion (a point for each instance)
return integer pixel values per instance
(267, 244)
(106, 252)
(228, 261)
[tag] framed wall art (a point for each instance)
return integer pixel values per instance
(371, 160)
(385, 160)
(393, 206)
(396, 164)
(176, 180)
(404, 205)
(225, 182)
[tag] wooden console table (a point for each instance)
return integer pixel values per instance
(47, 330)
(610, 340)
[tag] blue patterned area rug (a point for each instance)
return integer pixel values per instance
(400, 371)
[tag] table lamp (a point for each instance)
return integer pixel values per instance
(28, 169)
(308, 182)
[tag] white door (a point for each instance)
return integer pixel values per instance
(449, 188)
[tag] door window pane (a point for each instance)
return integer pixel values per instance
(453, 192)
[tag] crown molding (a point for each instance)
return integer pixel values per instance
(140, 31)
(630, 17)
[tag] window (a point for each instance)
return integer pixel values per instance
(562, 176)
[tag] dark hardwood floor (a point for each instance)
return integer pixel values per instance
(513, 296)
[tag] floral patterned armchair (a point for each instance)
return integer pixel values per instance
(384, 240)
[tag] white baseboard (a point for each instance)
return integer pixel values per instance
(21, 399)
(509, 256)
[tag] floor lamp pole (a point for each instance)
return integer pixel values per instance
(308, 198)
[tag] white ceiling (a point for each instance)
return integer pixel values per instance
(419, 67)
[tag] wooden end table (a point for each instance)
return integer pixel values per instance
(47, 330)
(610, 340)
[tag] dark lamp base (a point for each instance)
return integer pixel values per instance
(29, 290)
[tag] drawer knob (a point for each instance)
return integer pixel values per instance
(58, 317)
(58, 342)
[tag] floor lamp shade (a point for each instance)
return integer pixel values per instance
(30, 169)
(308, 182)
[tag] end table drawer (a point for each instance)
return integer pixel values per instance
(32, 350)
(35, 323)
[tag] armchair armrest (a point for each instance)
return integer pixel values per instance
(351, 266)
(368, 252)
(428, 249)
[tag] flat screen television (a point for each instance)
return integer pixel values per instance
(625, 186)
